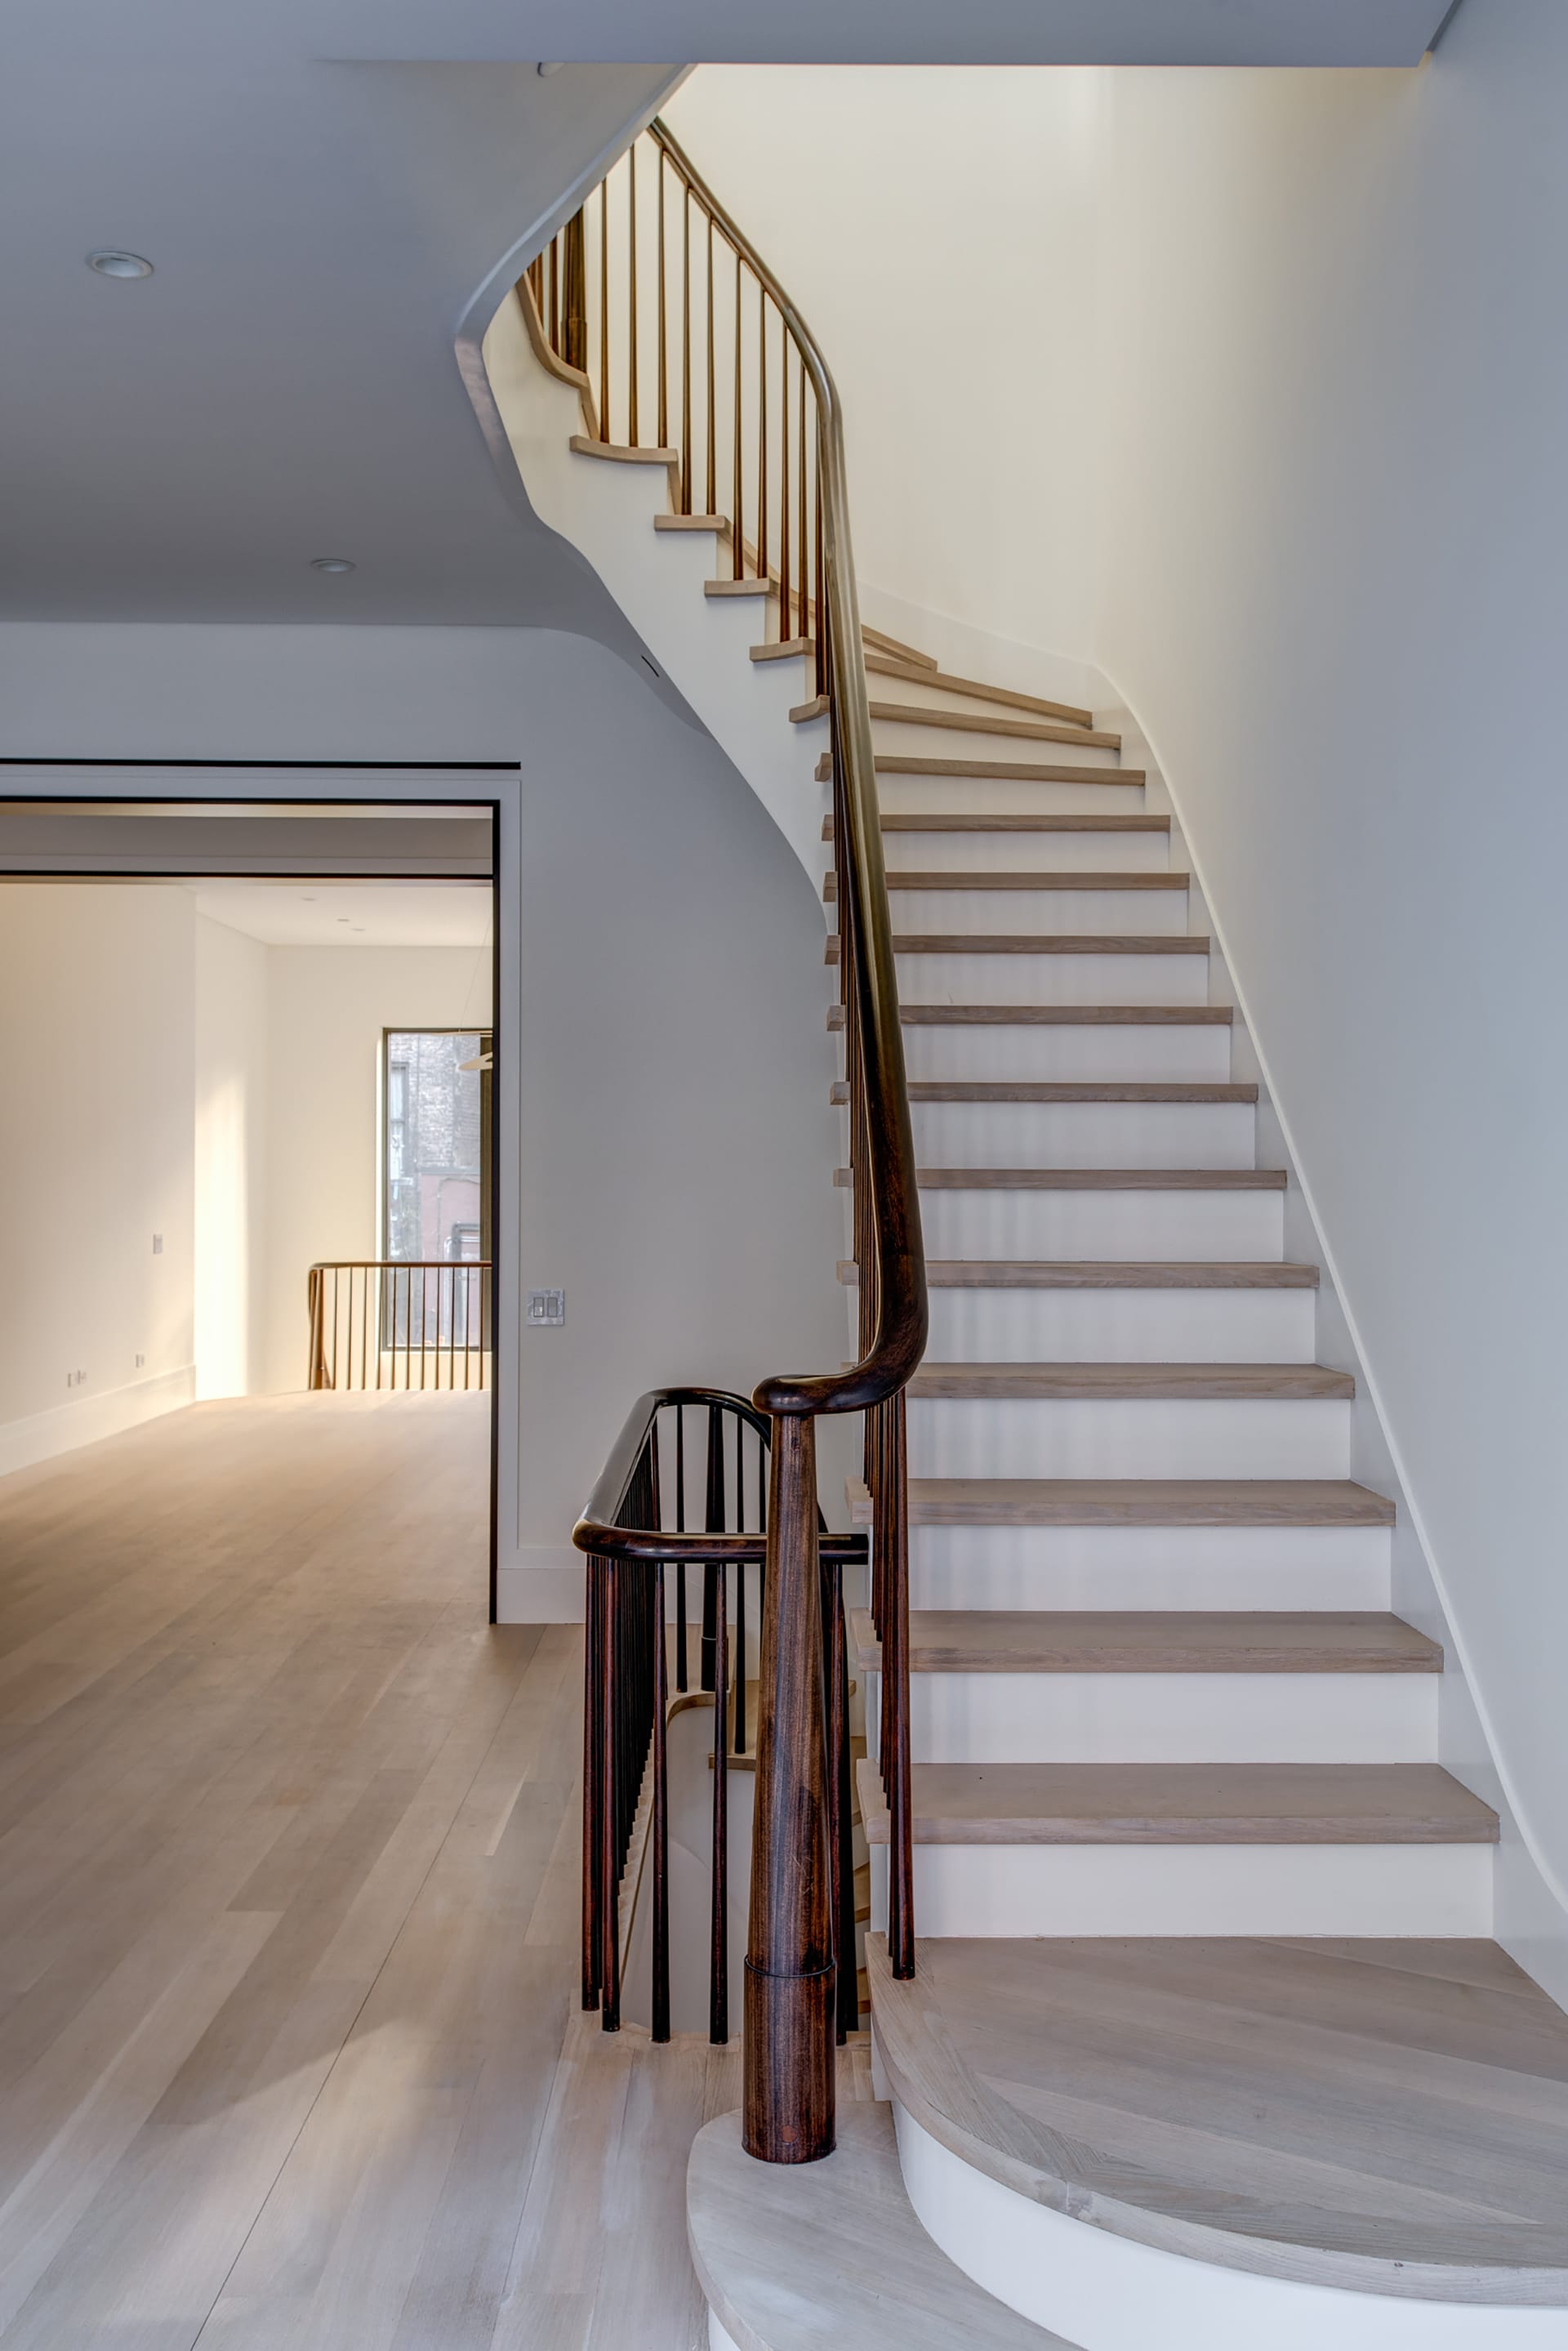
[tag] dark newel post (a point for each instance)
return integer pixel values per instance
(788, 2113)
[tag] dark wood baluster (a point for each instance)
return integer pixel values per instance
(737, 452)
(609, 1873)
(631, 434)
(574, 291)
(364, 1322)
(553, 322)
(740, 1590)
(804, 630)
(828, 1579)
(788, 2096)
(424, 1321)
(784, 628)
(681, 1529)
(839, 1764)
(824, 656)
(604, 312)
(664, 356)
(892, 1511)
(593, 1770)
(658, 1827)
(719, 1926)
(711, 506)
(713, 1520)
(686, 350)
(763, 436)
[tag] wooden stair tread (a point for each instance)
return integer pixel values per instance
(1024, 771)
(1151, 1641)
(880, 665)
(1070, 1090)
(1051, 943)
(1055, 1016)
(1184, 1804)
(719, 523)
(805, 711)
(963, 821)
(972, 722)
(737, 587)
(882, 643)
(584, 446)
(1115, 1273)
(1134, 1502)
(1338, 2112)
(958, 878)
(784, 649)
(1094, 1179)
(1127, 1383)
(791, 2256)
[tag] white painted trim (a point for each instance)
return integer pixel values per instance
(540, 1584)
(43, 1435)
(1108, 2292)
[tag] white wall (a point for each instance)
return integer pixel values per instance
(327, 1008)
(1319, 376)
(893, 203)
(96, 1048)
(667, 1083)
(230, 1160)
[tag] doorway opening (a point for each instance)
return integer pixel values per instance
(273, 1029)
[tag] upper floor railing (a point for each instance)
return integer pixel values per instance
(384, 1322)
(652, 287)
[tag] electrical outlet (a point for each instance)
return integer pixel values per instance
(157, 1244)
(545, 1306)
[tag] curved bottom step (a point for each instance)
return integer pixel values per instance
(1220, 2143)
(791, 2256)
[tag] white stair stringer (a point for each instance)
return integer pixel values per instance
(607, 510)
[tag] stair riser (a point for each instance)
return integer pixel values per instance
(1031, 912)
(1122, 1326)
(1170, 1718)
(999, 1049)
(1219, 1889)
(1085, 1135)
(1234, 1225)
(1020, 853)
(1096, 2288)
(906, 738)
(964, 978)
(916, 795)
(1208, 1437)
(1149, 1567)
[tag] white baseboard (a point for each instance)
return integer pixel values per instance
(44, 1435)
(541, 1585)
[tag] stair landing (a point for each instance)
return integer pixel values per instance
(1386, 2116)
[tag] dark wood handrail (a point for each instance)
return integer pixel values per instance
(801, 548)
(899, 1338)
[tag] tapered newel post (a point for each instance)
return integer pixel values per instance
(791, 1979)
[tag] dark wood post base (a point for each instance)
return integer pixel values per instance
(791, 1978)
(787, 2110)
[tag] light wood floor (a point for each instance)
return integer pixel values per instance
(288, 1916)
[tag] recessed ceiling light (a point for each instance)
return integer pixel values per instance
(330, 563)
(111, 264)
(308, 897)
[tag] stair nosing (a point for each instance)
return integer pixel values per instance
(1104, 1641)
(1094, 1180)
(1056, 1016)
(1131, 1383)
(1108, 1273)
(1165, 1502)
(1218, 1092)
(1051, 943)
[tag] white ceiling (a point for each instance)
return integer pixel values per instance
(329, 913)
(323, 185)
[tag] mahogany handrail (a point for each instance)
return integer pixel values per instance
(790, 1993)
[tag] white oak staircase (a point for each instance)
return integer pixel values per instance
(1207, 2045)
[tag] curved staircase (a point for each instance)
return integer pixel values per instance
(1206, 2043)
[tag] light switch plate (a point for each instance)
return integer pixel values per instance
(546, 1306)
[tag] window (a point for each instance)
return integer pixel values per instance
(436, 1187)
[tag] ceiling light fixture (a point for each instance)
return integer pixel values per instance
(109, 263)
(330, 563)
(545, 72)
